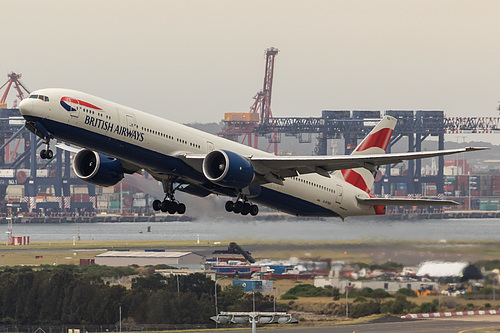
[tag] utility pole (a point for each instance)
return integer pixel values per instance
(120, 317)
(216, 308)
(347, 301)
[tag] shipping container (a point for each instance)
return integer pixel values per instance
(400, 193)
(87, 262)
(488, 207)
(114, 205)
(80, 197)
(265, 286)
(242, 116)
(139, 203)
(231, 269)
(430, 192)
(280, 269)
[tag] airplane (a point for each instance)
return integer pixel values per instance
(117, 140)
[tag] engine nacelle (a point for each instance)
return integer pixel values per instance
(228, 169)
(97, 168)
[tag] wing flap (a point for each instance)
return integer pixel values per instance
(405, 202)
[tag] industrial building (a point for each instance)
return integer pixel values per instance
(389, 286)
(185, 260)
(175, 272)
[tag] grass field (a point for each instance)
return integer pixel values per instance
(367, 251)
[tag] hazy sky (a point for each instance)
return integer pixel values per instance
(195, 60)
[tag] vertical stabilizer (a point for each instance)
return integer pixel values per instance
(375, 142)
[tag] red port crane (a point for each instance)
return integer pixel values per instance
(238, 124)
(18, 85)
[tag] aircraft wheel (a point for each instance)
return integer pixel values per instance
(49, 154)
(181, 208)
(165, 204)
(254, 210)
(156, 205)
(246, 209)
(43, 154)
(229, 206)
(238, 206)
(172, 208)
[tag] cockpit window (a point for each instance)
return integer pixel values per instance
(40, 97)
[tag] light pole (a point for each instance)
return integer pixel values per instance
(347, 301)
(120, 307)
(253, 300)
(216, 308)
(468, 185)
(274, 299)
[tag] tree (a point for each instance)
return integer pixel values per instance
(150, 283)
(471, 272)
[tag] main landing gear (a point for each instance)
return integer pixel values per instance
(46, 153)
(169, 204)
(242, 207)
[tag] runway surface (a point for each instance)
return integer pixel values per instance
(442, 325)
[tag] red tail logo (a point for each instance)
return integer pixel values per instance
(378, 139)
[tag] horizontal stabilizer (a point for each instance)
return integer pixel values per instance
(405, 202)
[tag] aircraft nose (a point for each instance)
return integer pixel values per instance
(25, 106)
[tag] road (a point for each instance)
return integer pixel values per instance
(442, 325)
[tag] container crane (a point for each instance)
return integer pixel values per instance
(14, 79)
(260, 111)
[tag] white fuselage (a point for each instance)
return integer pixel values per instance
(153, 143)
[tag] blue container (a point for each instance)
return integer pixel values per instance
(280, 269)
(249, 285)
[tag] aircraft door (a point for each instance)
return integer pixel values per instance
(130, 121)
(74, 110)
(339, 194)
(131, 128)
(210, 146)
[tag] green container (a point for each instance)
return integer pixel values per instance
(114, 205)
(488, 207)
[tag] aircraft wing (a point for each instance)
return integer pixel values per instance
(287, 166)
(405, 202)
(275, 169)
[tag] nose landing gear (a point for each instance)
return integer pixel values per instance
(46, 153)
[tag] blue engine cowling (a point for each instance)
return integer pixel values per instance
(97, 168)
(228, 169)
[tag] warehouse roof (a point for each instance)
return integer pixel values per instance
(441, 268)
(137, 254)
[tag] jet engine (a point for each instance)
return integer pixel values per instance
(97, 168)
(228, 169)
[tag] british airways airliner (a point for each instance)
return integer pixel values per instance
(116, 140)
